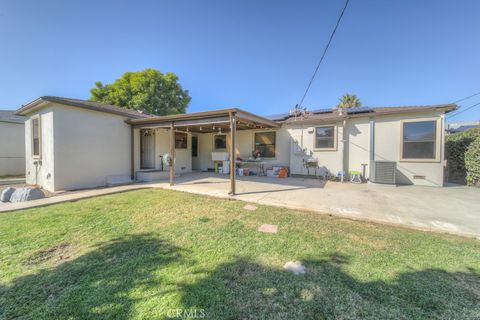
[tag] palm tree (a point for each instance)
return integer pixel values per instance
(349, 101)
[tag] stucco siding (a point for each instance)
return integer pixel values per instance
(40, 171)
(387, 147)
(358, 148)
(12, 148)
(89, 146)
(303, 135)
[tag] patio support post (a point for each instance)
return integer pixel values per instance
(233, 146)
(132, 153)
(172, 154)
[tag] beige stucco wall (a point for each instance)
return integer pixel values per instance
(303, 135)
(387, 147)
(80, 148)
(12, 148)
(357, 148)
(40, 171)
(89, 146)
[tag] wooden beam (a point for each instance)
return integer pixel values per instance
(233, 157)
(172, 154)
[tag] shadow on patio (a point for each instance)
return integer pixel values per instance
(247, 184)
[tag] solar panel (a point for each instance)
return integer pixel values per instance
(277, 117)
(356, 110)
(325, 110)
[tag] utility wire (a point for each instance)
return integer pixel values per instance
(324, 52)
(473, 95)
(462, 111)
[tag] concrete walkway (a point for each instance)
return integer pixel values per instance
(451, 209)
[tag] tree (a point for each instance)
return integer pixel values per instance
(148, 90)
(349, 101)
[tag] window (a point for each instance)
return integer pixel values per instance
(220, 141)
(325, 137)
(265, 144)
(194, 146)
(180, 140)
(36, 144)
(147, 149)
(419, 140)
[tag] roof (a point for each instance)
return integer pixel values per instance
(332, 114)
(9, 116)
(85, 104)
(207, 121)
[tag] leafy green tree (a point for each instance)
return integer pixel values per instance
(349, 101)
(149, 90)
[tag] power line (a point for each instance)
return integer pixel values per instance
(324, 52)
(473, 95)
(462, 111)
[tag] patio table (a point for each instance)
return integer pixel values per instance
(258, 163)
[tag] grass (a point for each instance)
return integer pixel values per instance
(12, 177)
(158, 254)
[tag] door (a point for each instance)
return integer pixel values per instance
(147, 149)
(195, 159)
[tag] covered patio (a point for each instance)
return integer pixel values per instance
(226, 120)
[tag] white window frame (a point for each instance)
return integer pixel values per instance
(226, 141)
(39, 155)
(276, 142)
(438, 139)
(175, 138)
(335, 138)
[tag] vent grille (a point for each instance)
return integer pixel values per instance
(383, 172)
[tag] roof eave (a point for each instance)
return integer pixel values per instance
(35, 104)
(205, 115)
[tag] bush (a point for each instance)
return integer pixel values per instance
(472, 163)
(456, 146)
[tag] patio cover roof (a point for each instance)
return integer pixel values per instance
(208, 121)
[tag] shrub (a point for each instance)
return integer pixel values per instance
(456, 146)
(472, 163)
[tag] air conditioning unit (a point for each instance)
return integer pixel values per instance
(383, 172)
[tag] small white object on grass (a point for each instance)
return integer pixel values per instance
(250, 207)
(269, 228)
(295, 267)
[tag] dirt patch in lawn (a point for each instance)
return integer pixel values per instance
(55, 254)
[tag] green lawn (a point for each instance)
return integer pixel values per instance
(149, 254)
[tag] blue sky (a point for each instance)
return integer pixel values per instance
(257, 55)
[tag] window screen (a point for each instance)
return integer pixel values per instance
(325, 137)
(265, 144)
(180, 140)
(220, 141)
(419, 140)
(36, 136)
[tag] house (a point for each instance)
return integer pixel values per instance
(454, 127)
(12, 144)
(73, 144)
